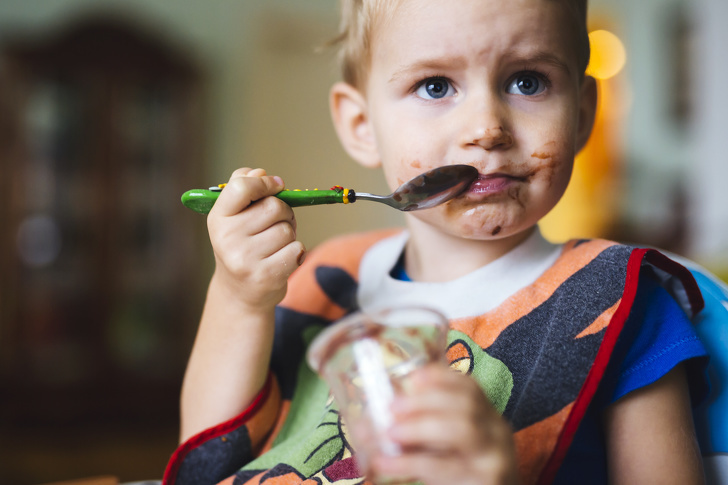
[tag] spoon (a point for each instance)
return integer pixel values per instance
(422, 192)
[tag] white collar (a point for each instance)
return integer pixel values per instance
(472, 294)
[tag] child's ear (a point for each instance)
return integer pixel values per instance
(351, 120)
(587, 111)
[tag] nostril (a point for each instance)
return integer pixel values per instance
(491, 138)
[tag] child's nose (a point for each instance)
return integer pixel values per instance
(487, 127)
(493, 138)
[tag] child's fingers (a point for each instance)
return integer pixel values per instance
(284, 261)
(466, 401)
(261, 215)
(233, 237)
(446, 469)
(257, 172)
(436, 375)
(243, 189)
(439, 389)
(424, 466)
(274, 238)
(241, 172)
(445, 411)
(450, 433)
(248, 172)
(273, 271)
(433, 431)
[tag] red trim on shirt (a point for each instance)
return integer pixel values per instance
(170, 474)
(597, 371)
(634, 266)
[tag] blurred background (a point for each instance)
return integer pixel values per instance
(110, 109)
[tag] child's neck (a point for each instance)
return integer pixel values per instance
(433, 256)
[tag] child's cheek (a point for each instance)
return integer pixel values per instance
(407, 170)
(545, 152)
(551, 165)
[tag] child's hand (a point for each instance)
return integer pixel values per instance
(449, 433)
(253, 237)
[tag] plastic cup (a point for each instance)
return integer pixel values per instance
(366, 360)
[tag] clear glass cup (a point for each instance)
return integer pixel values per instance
(366, 359)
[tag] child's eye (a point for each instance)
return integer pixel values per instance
(435, 88)
(526, 84)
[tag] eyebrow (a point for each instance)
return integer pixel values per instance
(540, 57)
(545, 58)
(437, 64)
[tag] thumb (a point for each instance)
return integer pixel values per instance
(241, 191)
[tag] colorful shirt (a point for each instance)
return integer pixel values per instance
(539, 347)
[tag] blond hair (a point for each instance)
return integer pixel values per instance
(360, 17)
(358, 20)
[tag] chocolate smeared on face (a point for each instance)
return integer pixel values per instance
(515, 194)
(541, 155)
(544, 151)
(549, 164)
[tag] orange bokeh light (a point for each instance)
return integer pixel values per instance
(608, 55)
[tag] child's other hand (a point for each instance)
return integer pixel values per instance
(253, 236)
(449, 433)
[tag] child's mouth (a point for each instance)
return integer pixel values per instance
(492, 184)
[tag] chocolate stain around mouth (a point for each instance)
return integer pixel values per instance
(515, 194)
(544, 152)
(548, 167)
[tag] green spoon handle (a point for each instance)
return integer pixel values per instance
(202, 200)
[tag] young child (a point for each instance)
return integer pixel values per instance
(583, 349)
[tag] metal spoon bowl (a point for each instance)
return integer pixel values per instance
(428, 189)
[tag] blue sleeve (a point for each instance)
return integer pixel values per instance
(659, 336)
(711, 417)
(656, 337)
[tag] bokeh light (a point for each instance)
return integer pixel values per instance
(608, 55)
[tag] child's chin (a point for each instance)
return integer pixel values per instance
(480, 233)
(489, 231)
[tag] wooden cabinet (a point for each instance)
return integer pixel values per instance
(101, 285)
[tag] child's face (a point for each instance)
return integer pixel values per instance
(490, 83)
